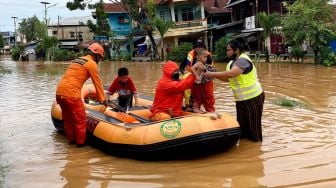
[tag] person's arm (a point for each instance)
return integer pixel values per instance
(184, 84)
(97, 82)
(133, 89)
(135, 99)
(194, 69)
(113, 87)
(225, 75)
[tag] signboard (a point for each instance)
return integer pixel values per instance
(250, 22)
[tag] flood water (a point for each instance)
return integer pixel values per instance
(299, 147)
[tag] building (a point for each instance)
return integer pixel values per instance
(121, 27)
(71, 32)
(190, 21)
(218, 18)
(9, 41)
(244, 14)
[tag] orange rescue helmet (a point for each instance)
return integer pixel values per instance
(97, 49)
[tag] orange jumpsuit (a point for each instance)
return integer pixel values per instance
(68, 96)
(169, 93)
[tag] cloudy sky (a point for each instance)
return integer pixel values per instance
(29, 8)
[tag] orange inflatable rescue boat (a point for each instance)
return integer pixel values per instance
(131, 134)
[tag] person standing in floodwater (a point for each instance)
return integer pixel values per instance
(247, 91)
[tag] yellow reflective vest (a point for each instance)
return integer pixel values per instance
(245, 86)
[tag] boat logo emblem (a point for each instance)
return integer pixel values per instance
(171, 128)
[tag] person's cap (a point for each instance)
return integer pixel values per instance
(97, 49)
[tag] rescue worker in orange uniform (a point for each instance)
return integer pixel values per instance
(169, 93)
(68, 93)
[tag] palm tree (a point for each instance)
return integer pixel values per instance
(162, 26)
(268, 22)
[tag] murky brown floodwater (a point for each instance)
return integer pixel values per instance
(299, 147)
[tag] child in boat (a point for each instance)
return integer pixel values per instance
(202, 90)
(124, 86)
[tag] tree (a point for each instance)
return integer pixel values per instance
(102, 27)
(76, 4)
(162, 26)
(32, 29)
(143, 13)
(309, 21)
(268, 22)
(43, 50)
(220, 48)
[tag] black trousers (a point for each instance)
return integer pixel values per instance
(125, 100)
(249, 115)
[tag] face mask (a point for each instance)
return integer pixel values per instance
(176, 75)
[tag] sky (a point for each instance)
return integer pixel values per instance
(28, 8)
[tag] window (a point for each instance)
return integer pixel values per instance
(121, 19)
(72, 34)
(54, 32)
(187, 14)
(80, 34)
(162, 15)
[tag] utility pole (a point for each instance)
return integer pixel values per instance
(45, 13)
(14, 17)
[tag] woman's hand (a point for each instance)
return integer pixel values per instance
(210, 74)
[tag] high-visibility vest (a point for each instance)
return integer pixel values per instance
(245, 86)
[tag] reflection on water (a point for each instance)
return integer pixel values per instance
(298, 150)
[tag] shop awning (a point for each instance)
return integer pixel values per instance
(243, 35)
(250, 37)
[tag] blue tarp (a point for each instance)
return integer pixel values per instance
(332, 45)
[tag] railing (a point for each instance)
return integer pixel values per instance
(190, 23)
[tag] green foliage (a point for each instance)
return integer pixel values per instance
(49, 42)
(43, 47)
(162, 25)
(328, 57)
(309, 21)
(287, 102)
(180, 52)
(297, 53)
(76, 4)
(65, 54)
(142, 12)
(268, 22)
(4, 70)
(32, 28)
(16, 52)
(40, 52)
(102, 27)
(123, 57)
(220, 48)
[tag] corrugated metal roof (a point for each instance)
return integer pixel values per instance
(74, 21)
